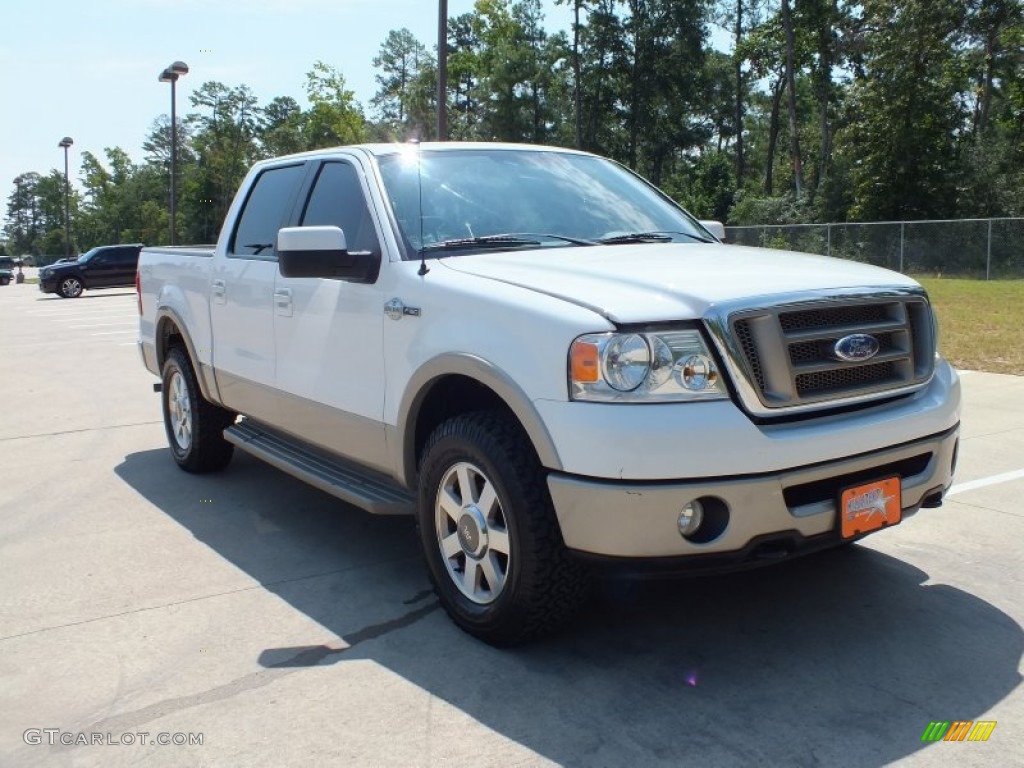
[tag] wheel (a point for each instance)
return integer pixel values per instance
(194, 426)
(488, 529)
(5, 280)
(70, 288)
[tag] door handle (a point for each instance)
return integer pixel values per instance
(283, 301)
(219, 290)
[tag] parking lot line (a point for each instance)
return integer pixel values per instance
(1004, 477)
(111, 333)
(100, 325)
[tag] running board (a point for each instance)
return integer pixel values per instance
(347, 481)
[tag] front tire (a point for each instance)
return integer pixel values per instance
(70, 288)
(488, 530)
(195, 427)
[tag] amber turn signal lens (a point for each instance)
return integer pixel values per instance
(585, 368)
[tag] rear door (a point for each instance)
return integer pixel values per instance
(126, 260)
(329, 333)
(242, 295)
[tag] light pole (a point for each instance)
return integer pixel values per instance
(442, 70)
(171, 75)
(66, 142)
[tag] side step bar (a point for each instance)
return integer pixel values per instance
(348, 482)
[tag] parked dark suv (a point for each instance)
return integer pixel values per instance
(6, 269)
(106, 266)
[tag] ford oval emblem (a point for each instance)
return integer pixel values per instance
(856, 347)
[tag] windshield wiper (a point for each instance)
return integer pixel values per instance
(661, 236)
(260, 247)
(506, 240)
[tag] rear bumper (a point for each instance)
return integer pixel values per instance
(773, 515)
(148, 354)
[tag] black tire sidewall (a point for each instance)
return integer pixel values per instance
(541, 589)
(175, 363)
(444, 454)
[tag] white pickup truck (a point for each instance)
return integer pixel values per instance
(551, 365)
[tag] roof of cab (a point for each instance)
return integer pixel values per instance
(380, 149)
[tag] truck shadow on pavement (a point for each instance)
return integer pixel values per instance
(841, 658)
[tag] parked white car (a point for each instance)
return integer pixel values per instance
(551, 365)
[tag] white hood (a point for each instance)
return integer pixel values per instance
(671, 281)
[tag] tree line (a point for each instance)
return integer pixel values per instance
(826, 110)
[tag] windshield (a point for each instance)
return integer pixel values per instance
(549, 198)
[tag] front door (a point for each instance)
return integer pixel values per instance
(329, 333)
(101, 270)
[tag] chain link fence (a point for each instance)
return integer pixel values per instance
(989, 249)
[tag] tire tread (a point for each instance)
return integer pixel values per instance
(552, 585)
(209, 451)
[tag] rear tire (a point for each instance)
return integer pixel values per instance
(488, 530)
(195, 427)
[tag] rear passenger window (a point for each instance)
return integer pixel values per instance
(337, 200)
(269, 202)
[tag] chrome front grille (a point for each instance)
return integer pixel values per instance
(784, 356)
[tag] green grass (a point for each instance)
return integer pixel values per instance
(981, 323)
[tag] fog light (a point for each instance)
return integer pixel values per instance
(690, 518)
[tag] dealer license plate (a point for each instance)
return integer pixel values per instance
(868, 507)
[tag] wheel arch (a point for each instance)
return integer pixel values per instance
(170, 332)
(451, 384)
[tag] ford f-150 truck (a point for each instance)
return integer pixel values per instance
(549, 363)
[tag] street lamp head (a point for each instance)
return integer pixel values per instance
(173, 72)
(66, 142)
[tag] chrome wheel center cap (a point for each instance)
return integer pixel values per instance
(473, 532)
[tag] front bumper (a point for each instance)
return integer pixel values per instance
(779, 513)
(48, 284)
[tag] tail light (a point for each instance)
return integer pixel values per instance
(138, 290)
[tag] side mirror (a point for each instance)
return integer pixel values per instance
(323, 252)
(716, 228)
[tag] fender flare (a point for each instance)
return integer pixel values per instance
(484, 373)
(165, 315)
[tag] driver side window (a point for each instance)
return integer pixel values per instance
(337, 199)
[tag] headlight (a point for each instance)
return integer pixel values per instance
(660, 366)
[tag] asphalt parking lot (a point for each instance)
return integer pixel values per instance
(289, 629)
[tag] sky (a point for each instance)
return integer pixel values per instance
(89, 70)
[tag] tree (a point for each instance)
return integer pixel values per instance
(335, 117)
(224, 142)
(907, 112)
(399, 63)
(578, 7)
(794, 129)
(280, 127)
(23, 225)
